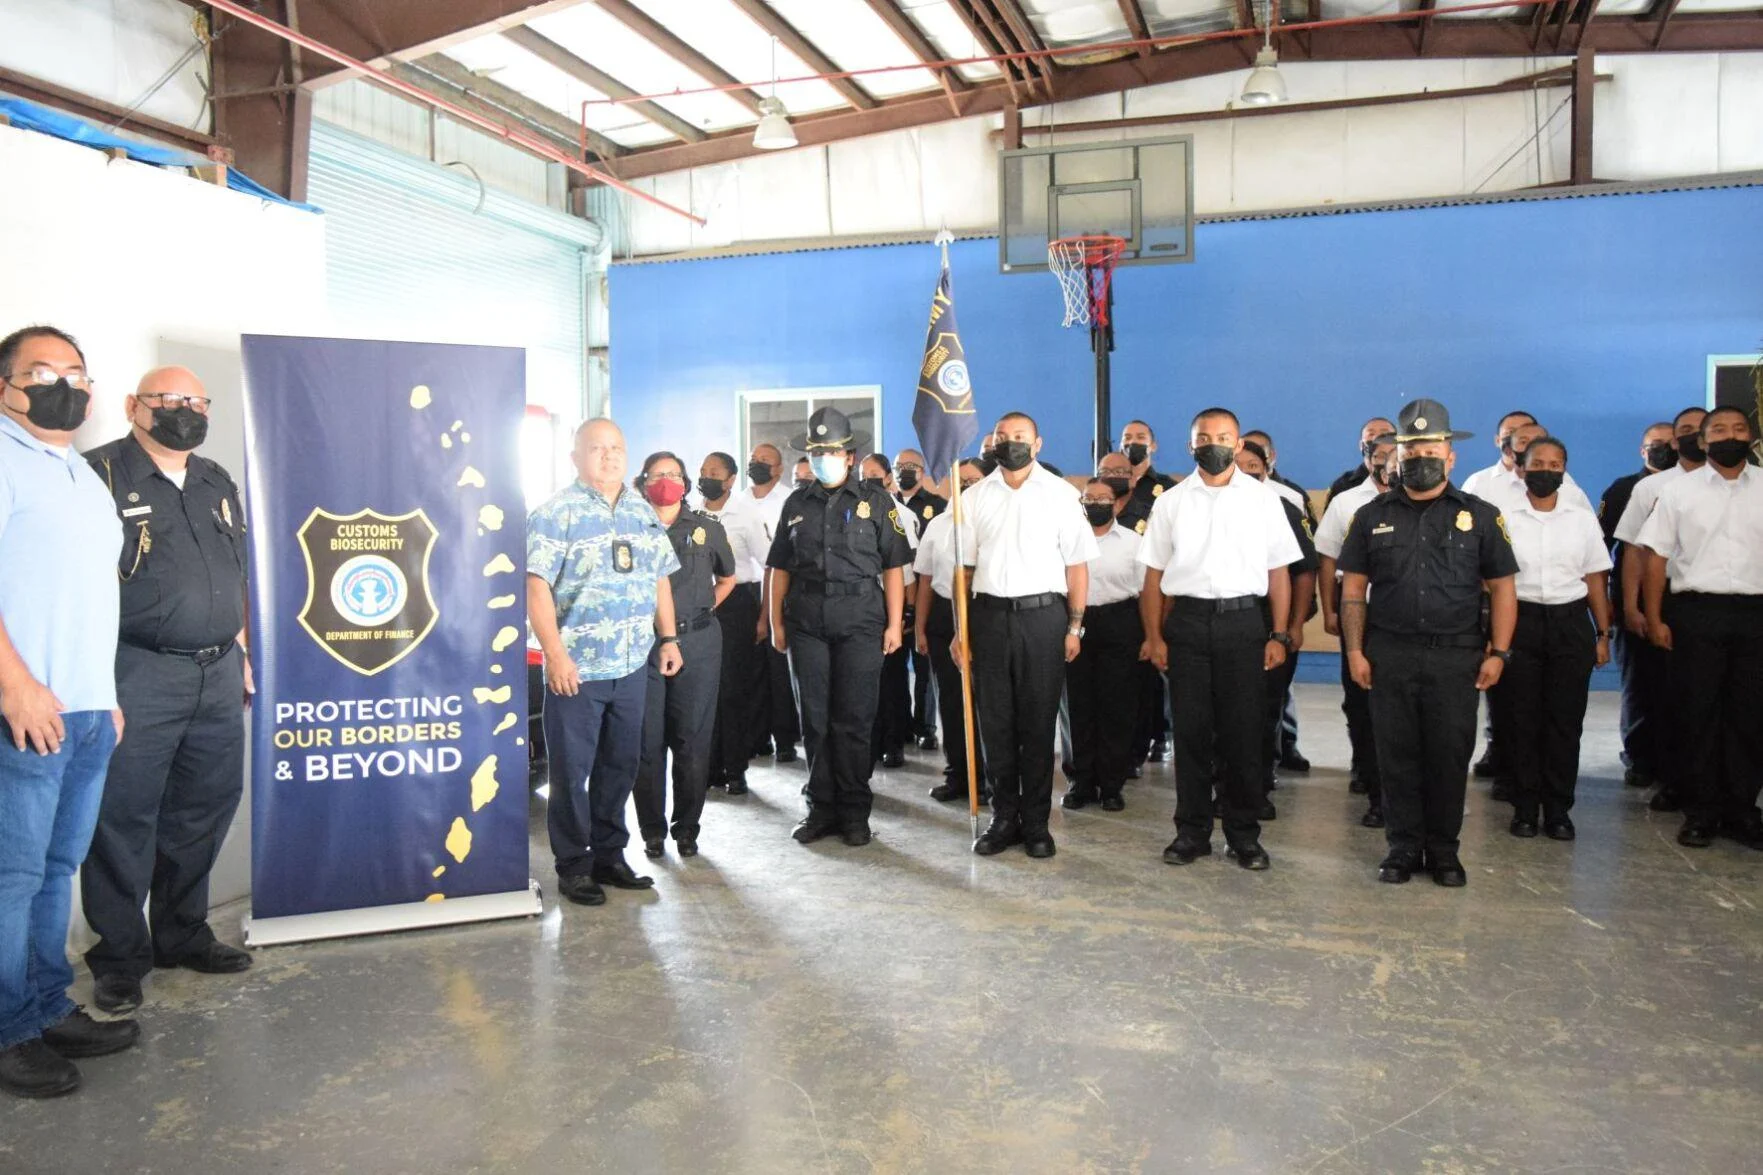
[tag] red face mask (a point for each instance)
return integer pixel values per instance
(664, 491)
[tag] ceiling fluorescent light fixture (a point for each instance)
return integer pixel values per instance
(1264, 85)
(774, 132)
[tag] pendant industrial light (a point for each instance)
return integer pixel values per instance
(1265, 86)
(774, 132)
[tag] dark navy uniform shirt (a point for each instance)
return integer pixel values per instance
(704, 556)
(1307, 560)
(1144, 495)
(183, 551)
(1610, 508)
(925, 506)
(1427, 560)
(838, 534)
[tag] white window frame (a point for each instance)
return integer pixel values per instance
(809, 396)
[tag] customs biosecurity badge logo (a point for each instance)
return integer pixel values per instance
(368, 599)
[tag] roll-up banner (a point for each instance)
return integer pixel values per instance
(389, 731)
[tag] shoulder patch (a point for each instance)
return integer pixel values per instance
(893, 517)
(1305, 523)
(1501, 519)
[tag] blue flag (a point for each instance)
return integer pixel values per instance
(943, 413)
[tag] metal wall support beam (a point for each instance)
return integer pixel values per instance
(556, 56)
(982, 25)
(652, 31)
(1134, 16)
(763, 15)
(913, 38)
(33, 89)
(445, 78)
(269, 133)
(1584, 78)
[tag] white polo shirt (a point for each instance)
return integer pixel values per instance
(1556, 549)
(1218, 542)
(751, 524)
(936, 554)
(1289, 494)
(1641, 502)
(1710, 531)
(1023, 539)
(1331, 532)
(1116, 573)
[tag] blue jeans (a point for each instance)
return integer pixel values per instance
(48, 808)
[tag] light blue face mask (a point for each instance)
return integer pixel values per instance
(830, 468)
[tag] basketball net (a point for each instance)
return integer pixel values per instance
(1084, 266)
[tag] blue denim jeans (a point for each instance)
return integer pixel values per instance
(48, 808)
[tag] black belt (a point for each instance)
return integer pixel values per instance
(1196, 604)
(206, 656)
(1018, 603)
(1573, 607)
(703, 620)
(827, 587)
(1461, 640)
(1119, 605)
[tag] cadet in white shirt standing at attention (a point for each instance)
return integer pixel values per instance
(1101, 682)
(1563, 631)
(1706, 537)
(1030, 550)
(1215, 555)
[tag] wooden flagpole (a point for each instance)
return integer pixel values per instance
(968, 726)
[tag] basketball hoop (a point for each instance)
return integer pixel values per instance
(1084, 266)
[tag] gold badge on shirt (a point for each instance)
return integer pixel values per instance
(863, 509)
(1139, 526)
(698, 536)
(226, 511)
(1465, 521)
(1157, 491)
(929, 510)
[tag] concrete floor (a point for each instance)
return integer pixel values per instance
(909, 1007)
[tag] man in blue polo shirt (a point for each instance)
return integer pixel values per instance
(59, 540)
(598, 597)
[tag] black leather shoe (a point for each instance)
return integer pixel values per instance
(215, 958)
(1448, 873)
(813, 828)
(1268, 811)
(78, 1035)
(1522, 827)
(116, 993)
(1113, 803)
(1747, 831)
(653, 849)
(1487, 766)
(1397, 869)
(1665, 800)
(1136, 771)
(785, 754)
(928, 742)
(1039, 845)
(1694, 835)
(1373, 817)
(581, 889)
(1559, 828)
(688, 847)
(33, 1069)
(891, 759)
(1502, 792)
(1634, 777)
(944, 792)
(619, 875)
(856, 836)
(996, 838)
(737, 785)
(1185, 852)
(1294, 762)
(1357, 787)
(1251, 856)
(1075, 798)
(763, 748)
(1159, 751)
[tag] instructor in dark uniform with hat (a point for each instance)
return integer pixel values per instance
(835, 595)
(1427, 550)
(182, 680)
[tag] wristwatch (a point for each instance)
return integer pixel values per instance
(1503, 654)
(669, 640)
(1077, 631)
(1284, 638)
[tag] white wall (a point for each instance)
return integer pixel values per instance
(1661, 115)
(147, 267)
(110, 49)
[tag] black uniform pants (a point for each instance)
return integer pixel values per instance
(939, 631)
(1153, 711)
(678, 717)
(1101, 685)
(595, 740)
(780, 713)
(836, 652)
(1423, 710)
(924, 693)
(743, 668)
(1019, 673)
(1218, 704)
(169, 798)
(893, 710)
(1717, 689)
(1356, 705)
(1280, 739)
(1646, 705)
(1542, 699)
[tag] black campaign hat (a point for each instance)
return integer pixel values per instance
(829, 428)
(1423, 420)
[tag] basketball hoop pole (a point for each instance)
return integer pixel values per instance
(1102, 343)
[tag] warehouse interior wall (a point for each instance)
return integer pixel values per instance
(117, 51)
(124, 257)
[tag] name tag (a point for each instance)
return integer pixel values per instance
(1383, 528)
(136, 511)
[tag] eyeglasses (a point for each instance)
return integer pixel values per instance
(43, 376)
(1097, 502)
(667, 475)
(174, 401)
(908, 466)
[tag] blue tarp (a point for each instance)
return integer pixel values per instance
(44, 120)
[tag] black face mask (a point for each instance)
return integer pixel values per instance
(873, 483)
(1381, 474)
(56, 407)
(1661, 456)
(1423, 473)
(1543, 483)
(1392, 476)
(1136, 453)
(907, 480)
(1729, 454)
(711, 488)
(1120, 485)
(1099, 513)
(803, 483)
(1366, 449)
(987, 462)
(1689, 447)
(1214, 459)
(1013, 455)
(179, 429)
(759, 473)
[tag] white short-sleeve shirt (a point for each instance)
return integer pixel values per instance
(1641, 503)
(1331, 532)
(1116, 573)
(1023, 539)
(751, 524)
(1506, 490)
(1218, 542)
(1556, 549)
(1710, 531)
(936, 554)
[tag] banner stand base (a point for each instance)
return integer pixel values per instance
(269, 932)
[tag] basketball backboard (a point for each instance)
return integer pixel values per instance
(1139, 189)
